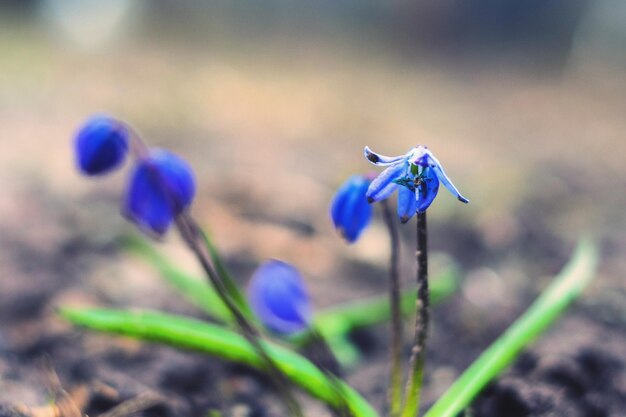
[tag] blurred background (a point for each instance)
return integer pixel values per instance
(272, 102)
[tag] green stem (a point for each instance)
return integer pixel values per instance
(208, 338)
(195, 239)
(229, 283)
(334, 323)
(565, 288)
(395, 379)
(194, 289)
(375, 310)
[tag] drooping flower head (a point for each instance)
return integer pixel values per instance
(279, 298)
(416, 175)
(100, 144)
(161, 186)
(350, 210)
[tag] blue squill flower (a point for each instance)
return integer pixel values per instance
(161, 187)
(350, 210)
(279, 298)
(416, 175)
(101, 145)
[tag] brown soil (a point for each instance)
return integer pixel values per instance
(541, 160)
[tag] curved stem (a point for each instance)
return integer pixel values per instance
(322, 356)
(395, 386)
(193, 236)
(416, 363)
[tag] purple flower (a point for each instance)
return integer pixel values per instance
(161, 187)
(101, 145)
(279, 298)
(350, 210)
(416, 175)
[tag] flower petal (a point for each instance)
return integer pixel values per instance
(279, 298)
(441, 174)
(427, 191)
(421, 156)
(381, 160)
(177, 177)
(407, 204)
(350, 211)
(100, 145)
(383, 186)
(161, 187)
(146, 203)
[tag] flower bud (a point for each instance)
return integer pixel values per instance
(279, 298)
(161, 187)
(101, 144)
(350, 210)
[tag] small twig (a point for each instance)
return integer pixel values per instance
(134, 405)
(64, 405)
(395, 386)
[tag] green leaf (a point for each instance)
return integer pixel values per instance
(334, 324)
(375, 310)
(208, 338)
(196, 290)
(566, 287)
(231, 285)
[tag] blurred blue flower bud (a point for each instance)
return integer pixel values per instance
(101, 144)
(416, 175)
(161, 187)
(279, 298)
(350, 210)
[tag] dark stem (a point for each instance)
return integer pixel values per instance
(322, 356)
(196, 240)
(422, 281)
(416, 363)
(137, 146)
(318, 351)
(395, 388)
(192, 235)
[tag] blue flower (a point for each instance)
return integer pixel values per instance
(161, 187)
(350, 210)
(101, 144)
(416, 175)
(279, 298)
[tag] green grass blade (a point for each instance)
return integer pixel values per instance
(566, 287)
(336, 323)
(375, 310)
(196, 335)
(230, 284)
(197, 291)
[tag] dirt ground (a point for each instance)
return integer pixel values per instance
(270, 134)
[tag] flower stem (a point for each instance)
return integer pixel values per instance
(416, 363)
(197, 241)
(193, 236)
(320, 353)
(395, 386)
